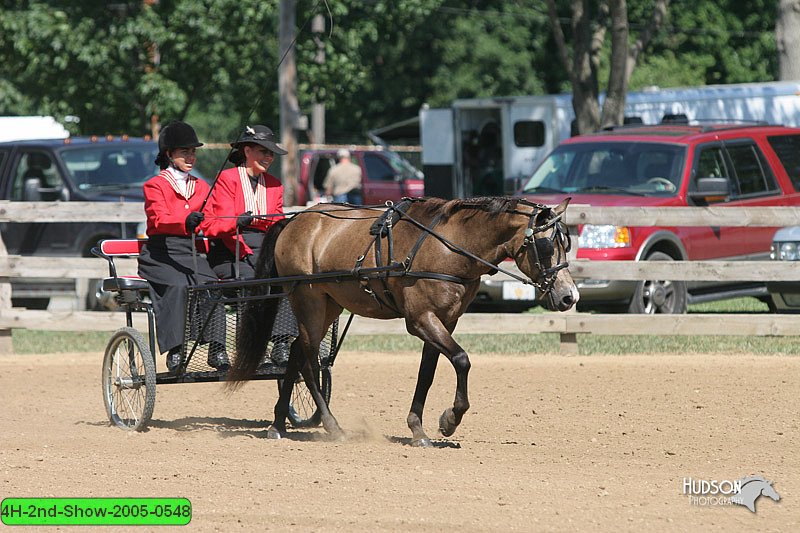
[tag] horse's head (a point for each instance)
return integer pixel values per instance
(542, 256)
(768, 490)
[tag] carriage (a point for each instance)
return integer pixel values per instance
(130, 376)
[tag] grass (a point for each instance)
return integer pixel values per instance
(40, 341)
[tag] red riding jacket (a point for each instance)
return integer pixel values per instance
(167, 209)
(228, 201)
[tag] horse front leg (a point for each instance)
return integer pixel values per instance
(431, 330)
(427, 369)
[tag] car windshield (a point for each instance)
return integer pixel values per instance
(96, 168)
(649, 169)
(403, 168)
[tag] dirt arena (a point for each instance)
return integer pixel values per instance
(552, 443)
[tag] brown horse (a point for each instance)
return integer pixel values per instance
(446, 246)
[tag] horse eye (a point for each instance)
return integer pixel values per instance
(544, 247)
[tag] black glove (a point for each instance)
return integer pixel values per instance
(193, 220)
(244, 220)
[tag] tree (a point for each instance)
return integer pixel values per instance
(788, 39)
(588, 42)
(94, 60)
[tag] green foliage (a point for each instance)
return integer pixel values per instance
(217, 60)
(713, 42)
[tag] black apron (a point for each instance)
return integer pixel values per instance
(166, 263)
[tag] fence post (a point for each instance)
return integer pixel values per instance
(568, 344)
(6, 345)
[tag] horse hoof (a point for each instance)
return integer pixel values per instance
(447, 426)
(422, 443)
(273, 433)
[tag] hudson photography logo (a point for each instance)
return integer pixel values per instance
(744, 491)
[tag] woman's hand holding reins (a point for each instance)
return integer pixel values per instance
(244, 220)
(193, 220)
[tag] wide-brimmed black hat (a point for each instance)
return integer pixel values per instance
(177, 134)
(260, 135)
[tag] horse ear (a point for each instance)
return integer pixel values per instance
(560, 208)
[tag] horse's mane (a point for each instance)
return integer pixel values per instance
(486, 206)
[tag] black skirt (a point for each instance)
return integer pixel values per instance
(223, 261)
(166, 262)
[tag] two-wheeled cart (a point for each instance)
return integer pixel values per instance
(129, 377)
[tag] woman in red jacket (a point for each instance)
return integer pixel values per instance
(243, 196)
(172, 202)
(248, 198)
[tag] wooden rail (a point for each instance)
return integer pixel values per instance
(568, 324)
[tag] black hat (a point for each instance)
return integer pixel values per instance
(177, 134)
(260, 135)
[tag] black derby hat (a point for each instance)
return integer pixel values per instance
(260, 135)
(177, 134)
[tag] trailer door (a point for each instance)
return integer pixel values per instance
(528, 134)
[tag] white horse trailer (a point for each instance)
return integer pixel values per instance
(486, 146)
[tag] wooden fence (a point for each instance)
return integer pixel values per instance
(568, 325)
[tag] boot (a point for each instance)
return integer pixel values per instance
(280, 352)
(218, 357)
(174, 359)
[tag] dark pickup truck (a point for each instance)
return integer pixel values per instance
(85, 169)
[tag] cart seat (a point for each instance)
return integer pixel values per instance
(125, 283)
(111, 249)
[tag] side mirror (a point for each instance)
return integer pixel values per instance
(32, 191)
(711, 188)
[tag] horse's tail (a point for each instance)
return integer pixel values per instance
(258, 316)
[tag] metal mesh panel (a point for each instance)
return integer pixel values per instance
(212, 322)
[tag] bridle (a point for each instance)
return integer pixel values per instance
(559, 239)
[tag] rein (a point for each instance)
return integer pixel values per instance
(547, 275)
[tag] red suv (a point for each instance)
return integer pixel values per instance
(671, 165)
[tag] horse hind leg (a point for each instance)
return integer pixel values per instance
(277, 429)
(427, 370)
(311, 376)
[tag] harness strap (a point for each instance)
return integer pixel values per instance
(417, 245)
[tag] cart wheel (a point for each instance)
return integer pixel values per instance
(303, 412)
(129, 380)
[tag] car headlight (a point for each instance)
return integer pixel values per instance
(788, 251)
(604, 236)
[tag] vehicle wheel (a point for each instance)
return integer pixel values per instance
(659, 296)
(129, 380)
(303, 412)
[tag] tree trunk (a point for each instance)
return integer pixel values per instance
(586, 48)
(787, 38)
(614, 104)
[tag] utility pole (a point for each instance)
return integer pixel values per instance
(287, 87)
(318, 111)
(154, 59)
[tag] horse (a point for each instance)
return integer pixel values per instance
(446, 246)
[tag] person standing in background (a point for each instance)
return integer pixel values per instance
(343, 181)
